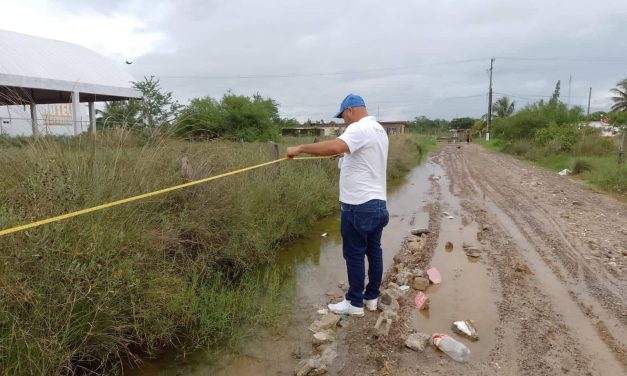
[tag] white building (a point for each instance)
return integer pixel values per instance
(50, 87)
(607, 130)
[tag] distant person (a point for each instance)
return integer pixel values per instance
(362, 200)
(468, 137)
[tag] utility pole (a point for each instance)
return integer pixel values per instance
(487, 135)
(589, 97)
(570, 81)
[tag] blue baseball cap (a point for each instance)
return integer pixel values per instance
(350, 101)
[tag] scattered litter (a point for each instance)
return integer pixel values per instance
(435, 177)
(466, 328)
(613, 264)
(323, 311)
(445, 213)
(324, 235)
(451, 347)
(403, 288)
(450, 217)
(448, 246)
(434, 275)
(422, 302)
(565, 172)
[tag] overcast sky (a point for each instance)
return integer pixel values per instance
(406, 58)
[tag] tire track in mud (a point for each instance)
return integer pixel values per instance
(535, 333)
(531, 339)
(540, 229)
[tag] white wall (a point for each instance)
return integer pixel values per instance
(53, 119)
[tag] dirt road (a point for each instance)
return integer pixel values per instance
(548, 293)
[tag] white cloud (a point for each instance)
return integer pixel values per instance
(210, 39)
(118, 36)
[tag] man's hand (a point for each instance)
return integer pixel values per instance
(293, 151)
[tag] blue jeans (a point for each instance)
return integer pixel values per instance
(361, 227)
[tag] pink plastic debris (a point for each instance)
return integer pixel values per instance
(421, 298)
(434, 275)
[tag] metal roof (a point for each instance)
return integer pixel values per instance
(41, 70)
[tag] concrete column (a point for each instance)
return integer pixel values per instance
(92, 118)
(33, 118)
(75, 103)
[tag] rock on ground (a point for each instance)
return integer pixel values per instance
(417, 341)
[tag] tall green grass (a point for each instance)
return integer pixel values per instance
(598, 154)
(180, 270)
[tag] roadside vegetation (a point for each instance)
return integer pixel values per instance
(183, 270)
(554, 136)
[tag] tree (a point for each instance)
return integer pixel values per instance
(503, 108)
(156, 108)
(462, 123)
(423, 124)
(235, 117)
(556, 95)
(620, 96)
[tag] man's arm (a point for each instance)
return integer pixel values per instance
(323, 149)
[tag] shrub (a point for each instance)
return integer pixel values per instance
(581, 165)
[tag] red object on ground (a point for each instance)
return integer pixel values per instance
(421, 298)
(434, 275)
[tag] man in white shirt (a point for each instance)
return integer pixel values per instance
(362, 200)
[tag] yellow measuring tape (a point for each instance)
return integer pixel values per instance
(142, 196)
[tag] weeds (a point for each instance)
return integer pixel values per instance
(593, 158)
(180, 270)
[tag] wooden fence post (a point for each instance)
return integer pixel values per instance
(274, 155)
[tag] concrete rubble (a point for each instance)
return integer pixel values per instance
(317, 364)
(327, 321)
(420, 283)
(323, 337)
(472, 250)
(420, 231)
(417, 341)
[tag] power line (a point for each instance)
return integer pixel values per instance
(566, 59)
(319, 74)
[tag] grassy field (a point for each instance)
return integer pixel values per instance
(592, 158)
(176, 271)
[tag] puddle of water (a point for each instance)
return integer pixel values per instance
(319, 267)
(602, 360)
(465, 292)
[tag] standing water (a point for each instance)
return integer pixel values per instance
(319, 267)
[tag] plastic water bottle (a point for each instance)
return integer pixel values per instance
(451, 347)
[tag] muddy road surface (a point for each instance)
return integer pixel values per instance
(547, 292)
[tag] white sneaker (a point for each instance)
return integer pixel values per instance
(346, 308)
(371, 304)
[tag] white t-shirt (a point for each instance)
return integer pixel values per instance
(363, 168)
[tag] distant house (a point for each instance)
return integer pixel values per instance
(394, 127)
(302, 131)
(333, 129)
(607, 130)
